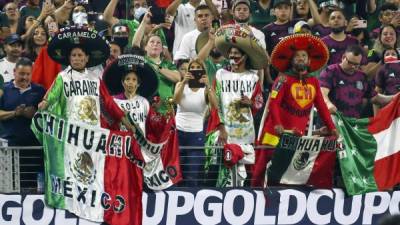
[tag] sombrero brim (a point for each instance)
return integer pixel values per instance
(237, 36)
(283, 52)
(201, 40)
(148, 79)
(95, 45)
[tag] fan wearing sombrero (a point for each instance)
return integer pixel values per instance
(293, 95)
(79, 47)
(238, 90)
(130, 80)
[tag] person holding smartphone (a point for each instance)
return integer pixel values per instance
(192, 95)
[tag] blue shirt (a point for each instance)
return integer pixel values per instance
(17, 130)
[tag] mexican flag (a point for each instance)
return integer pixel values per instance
(88, 171)
(303, 160)
(159, 151)
(370, 155)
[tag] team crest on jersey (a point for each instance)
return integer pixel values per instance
(303, 94)
(83, 169)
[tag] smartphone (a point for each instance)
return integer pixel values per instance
(361, 24)
(195, 83)
(52, 27)
(216, 24)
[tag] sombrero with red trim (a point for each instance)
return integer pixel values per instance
(283, 52)
(234, 35)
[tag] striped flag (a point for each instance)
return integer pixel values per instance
(303, 160)
(88, 171)
(370, 157)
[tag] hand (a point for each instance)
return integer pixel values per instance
(211, 35)
(147, 17)
(42, 105)
(223, 135)
(159, 26)
(69, 4)
(352, 24)
(245, 101)
(396, 20)
(19, 110)
(204, 80)
(332, 108)
(188, 76)
(279, 130)
(335, 133)
(29, 112)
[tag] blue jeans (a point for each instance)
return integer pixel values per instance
(192, 160)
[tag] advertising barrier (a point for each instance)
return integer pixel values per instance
(184, 206)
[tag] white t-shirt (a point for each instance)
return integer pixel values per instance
(187, 49)
(138, 108)
(184, 23)
(7, 69)
(191, 109)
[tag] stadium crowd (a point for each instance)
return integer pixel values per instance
(178, 41)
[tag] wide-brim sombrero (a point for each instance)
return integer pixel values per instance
(243, 38)
(113, 73)
(83, 37)
(201, 40)
(283, 52)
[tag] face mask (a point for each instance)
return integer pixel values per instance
(139, 12)
(80, 18)
(338, 30)
(390, 59)
(121, 41)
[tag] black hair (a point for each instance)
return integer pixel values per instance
(248, 64)
(355, 49)
(387, 49)
(202, 7)
(30, 45)
(387, 6)
(23, 61)
(388, 25)
(181, 62)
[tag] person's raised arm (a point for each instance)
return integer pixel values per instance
(62, 13)
(108, 14)
(47, 9)
(171, 10)
(137, 38)
(205, 51)
(316, 18)
(213, 9)
(371, 6)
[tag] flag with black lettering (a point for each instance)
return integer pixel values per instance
(303, 160)
(88, 170)
(160, 151)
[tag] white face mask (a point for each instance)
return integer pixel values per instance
(139, 12)
(80, 18)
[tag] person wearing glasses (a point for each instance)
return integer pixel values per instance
(12, 13)
(346, 88)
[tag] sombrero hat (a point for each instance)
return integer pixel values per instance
(201, 40)
(283, 52)
(124, 64)
(243, 38)
(67, 38)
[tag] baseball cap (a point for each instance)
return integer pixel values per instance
(281, 2)
(237, 2)
(12, 38)
(232, 154)
(300, 25)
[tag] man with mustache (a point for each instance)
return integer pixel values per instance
(13, 49)
(293, 95)
(17, 107)
(338, 40)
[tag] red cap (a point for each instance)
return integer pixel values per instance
(232, 154)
